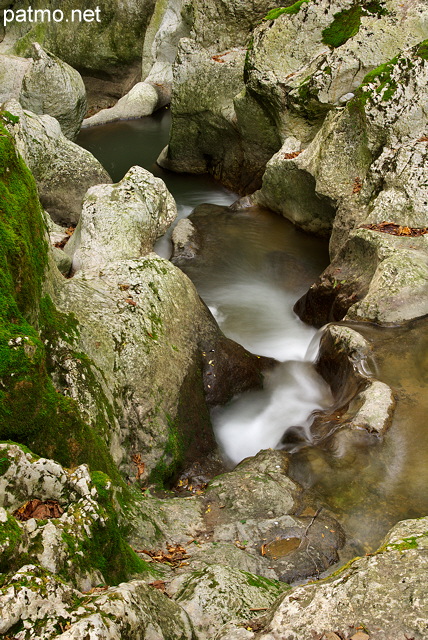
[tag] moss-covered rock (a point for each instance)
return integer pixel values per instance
(84, 545)
(108, 42)
(34, 601)
(303, 61)
(217, 594)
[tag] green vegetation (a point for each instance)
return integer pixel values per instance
(346, 24)
(10, 537)
(422, 50)
(279, 11)
(32, 410)
(382, 77)
(171, 461)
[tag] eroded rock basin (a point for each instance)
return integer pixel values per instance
(250, 268)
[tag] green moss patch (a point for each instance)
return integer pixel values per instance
(381, 76)
(279, 11)
(422, 50)
(32, 410)
(346, 24)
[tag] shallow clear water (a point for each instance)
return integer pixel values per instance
(253, 267)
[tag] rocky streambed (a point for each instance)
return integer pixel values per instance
(118, 516)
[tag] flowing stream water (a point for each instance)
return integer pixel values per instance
(252, 267)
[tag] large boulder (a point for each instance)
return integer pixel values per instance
(34, 598)
(207, 134)
(136, 312)
(63, 171)
(170, 22)
(217, 594)
(302, 61)
(379, 596)
(107, 38)
(378, 244)
(44, 84)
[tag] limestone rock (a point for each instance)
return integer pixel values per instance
(63, 171)
(205, 133)
(376, 276)
(170, 21)
(218, 26)
(216, 594)
(108, 42)
(365, 405)
(137, 311)
(62, 260)
(122, 221)
(304, 62)
(132, 610)
(44, 84)
(141, 101)
(383, 593)
(254, 506)
(71, 544)
(54, 88)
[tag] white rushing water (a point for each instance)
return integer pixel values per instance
(259, 316)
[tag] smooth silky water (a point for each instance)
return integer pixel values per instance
(252, 267)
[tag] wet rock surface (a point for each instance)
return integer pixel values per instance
(377, 593)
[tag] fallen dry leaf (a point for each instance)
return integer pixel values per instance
(174, 555)
(290, 156)
(396, 229)
(137, 460)
(39, 510)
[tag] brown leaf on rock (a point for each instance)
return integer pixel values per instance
(136, 459)
(174, 555)
(158, 584)
(395, 229)
(360, 635)
(357, 185)
(290, 156)
(69, 232)
(39, 510)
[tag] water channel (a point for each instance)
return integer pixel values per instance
(253, 266)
